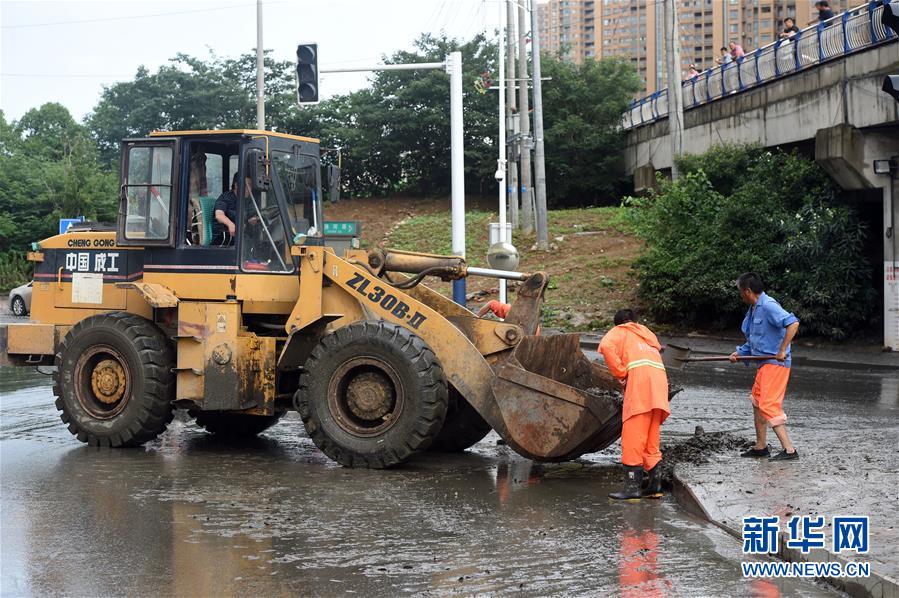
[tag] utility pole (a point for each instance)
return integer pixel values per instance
(675, 94)
(501, 159)
(527, 206)
(453, 64)
(539, 166)
(260, 71)
(511, 164)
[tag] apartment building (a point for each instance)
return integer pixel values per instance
(591, 29)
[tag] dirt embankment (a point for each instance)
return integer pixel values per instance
(588, 262)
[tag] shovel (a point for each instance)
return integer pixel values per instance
(675, 357)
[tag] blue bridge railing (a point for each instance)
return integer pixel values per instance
(848, 32)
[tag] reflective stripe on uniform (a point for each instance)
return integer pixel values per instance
(642, 362)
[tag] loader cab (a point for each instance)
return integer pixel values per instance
(226, 202)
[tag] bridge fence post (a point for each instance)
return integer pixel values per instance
(776, 58)
(758, 74)
(708, 92)
(871, 5)
(843, 20)
(888, 32)
(820, 47)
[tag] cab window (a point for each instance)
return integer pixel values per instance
(264, 241)
(299, 174)
(148, 193)
(211, 169)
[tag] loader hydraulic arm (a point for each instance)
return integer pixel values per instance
(452, 267)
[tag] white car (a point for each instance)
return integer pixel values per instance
(20, 300)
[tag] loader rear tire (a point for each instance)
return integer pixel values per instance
(464, 427)
(114, 381)
(224, 424)
(372, 394)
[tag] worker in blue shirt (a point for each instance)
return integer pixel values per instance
(769, 329)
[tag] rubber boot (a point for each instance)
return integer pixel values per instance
(652, 488)
(633, 480)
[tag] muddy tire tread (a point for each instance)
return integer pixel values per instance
(431, 395)
(154, 411)
(464, 427)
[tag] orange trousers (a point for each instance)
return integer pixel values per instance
(640, 439)
(768, 392)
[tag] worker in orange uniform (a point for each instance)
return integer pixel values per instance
(498, 308)
(631, 352)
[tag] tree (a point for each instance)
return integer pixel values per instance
(582, 108)
(396, 135)
(701, 235)
(188, 93)
(49, 169)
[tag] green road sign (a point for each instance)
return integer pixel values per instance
(342, 227)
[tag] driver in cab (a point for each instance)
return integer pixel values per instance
(225, 214)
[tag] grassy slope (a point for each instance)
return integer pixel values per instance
(588, 263)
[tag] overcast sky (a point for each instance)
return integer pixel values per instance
(67, 51)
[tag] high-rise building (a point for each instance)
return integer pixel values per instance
(591, 29)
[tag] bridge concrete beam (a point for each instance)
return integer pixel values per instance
(839, 105)
(840, 150)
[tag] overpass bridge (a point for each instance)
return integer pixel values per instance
(819, 92)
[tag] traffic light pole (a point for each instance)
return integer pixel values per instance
(260, 70)
(453, 66)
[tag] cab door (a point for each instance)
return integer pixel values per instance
(148, 200)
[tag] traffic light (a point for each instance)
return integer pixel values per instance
(891, 86)
(307, 73)
(890, 15)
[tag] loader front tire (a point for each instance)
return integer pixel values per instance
(372, 394)
(224, 424)
(464, 427)
(114, 381)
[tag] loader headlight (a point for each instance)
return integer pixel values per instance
(503, 256)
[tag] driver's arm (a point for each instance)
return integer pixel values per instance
(221, 217)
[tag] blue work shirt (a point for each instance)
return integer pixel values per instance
(764, 327)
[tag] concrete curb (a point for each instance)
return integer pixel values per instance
(591, 343)
(875, 586)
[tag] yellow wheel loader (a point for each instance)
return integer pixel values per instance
(217, 292)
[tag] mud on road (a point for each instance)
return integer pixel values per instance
(189, 515)
(698, 449)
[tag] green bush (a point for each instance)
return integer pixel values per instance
(765, 211)
(15, 270)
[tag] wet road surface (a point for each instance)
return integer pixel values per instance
(188, 515)
(845, 425)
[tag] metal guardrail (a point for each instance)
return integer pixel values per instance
(854, 30)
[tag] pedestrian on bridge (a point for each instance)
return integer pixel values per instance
(631, 351)
(825, 13)
(769, 329)
(790, 29)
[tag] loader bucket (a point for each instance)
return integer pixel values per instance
(541, 390)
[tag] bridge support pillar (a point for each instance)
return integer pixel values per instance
(645, 179)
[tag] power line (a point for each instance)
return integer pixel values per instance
(85, 76)
(125, 18)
